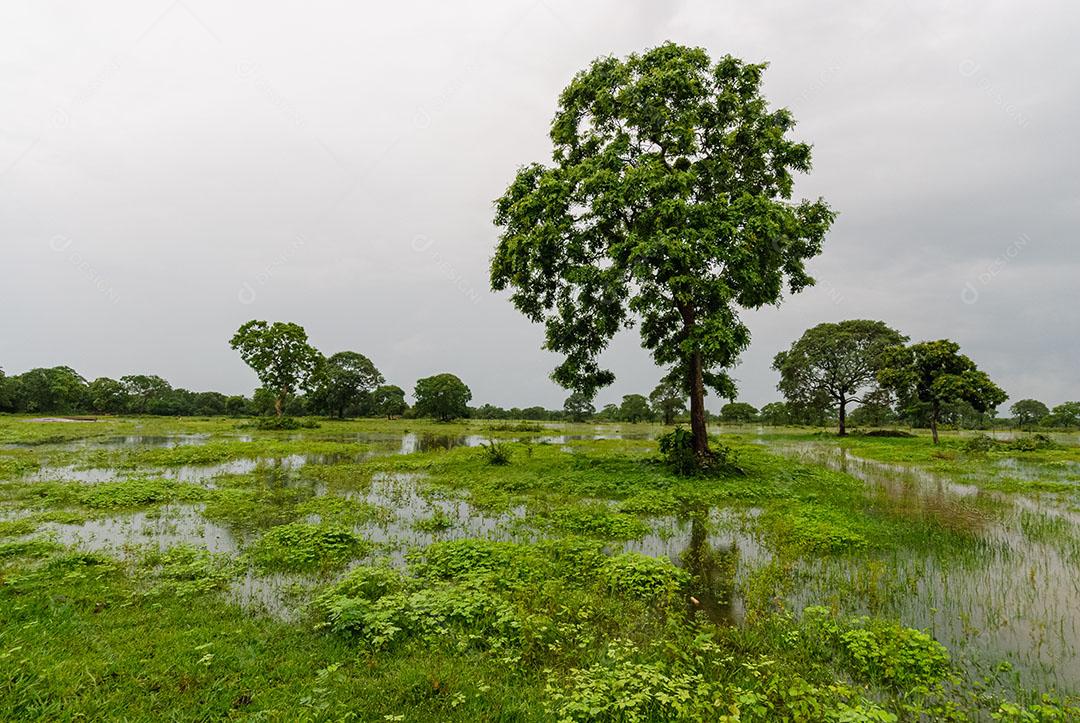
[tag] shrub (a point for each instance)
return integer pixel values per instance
(496, 453)
(644, 577)
(299, 546)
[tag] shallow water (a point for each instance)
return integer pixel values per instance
(1013, 596)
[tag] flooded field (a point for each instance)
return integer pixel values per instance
(269, 522)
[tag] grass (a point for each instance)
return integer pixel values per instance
(578, 581)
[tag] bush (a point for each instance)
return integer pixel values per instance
(677, 451)
(299, 546)
(497, 453)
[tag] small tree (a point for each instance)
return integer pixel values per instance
(838, 361)
(343, 382)
(443, 396)
(634, 409)
(1028, 412)
(930, 375)
(669, 203)
(388, 401)
(578, 407)
(280, 355)
(738, 412)
(668, 400)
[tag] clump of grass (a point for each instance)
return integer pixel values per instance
(880, 650)
(185, 570)
(299, 546)
(496, 453)
(438, 521)
(597, 521)
(137, 492)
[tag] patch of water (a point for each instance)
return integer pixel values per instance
(1011, 598)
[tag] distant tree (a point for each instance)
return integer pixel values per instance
(492, 411)
(143, 391)
(280, 355)
(1066, 414)
(668, 400)
(5, 393)
(738, 412)
(578, 407)
(932, 374)
(775, 414)
(344, 382)
(609, 413)
(442, 396)
(1027, 412)
(56, 389)
(388, 401)
(107, 396)
(534, 413)
(876, 410)
(634, 409)
(210, 404)
(839, 361)
(668, 200)
(238, 406)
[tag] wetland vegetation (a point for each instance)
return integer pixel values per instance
(397, 569)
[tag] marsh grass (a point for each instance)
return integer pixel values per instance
(800, 590)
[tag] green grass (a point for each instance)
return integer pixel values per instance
(797, 592)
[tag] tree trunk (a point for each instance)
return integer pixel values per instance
(697, 407)
(277, 403)
(843, 417)
(933, 423)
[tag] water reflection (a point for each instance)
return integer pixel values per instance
(712, 570)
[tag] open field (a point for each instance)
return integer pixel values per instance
(156, 568)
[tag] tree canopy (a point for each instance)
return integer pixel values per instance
(932, 374)
(443, 396)
(668, 203)
(343, 383)
(578, 407)
(634, 409)
(668, 400)
(280, 355)
(1029, 411)
(738, 412)
(388, 401)
(837, 361)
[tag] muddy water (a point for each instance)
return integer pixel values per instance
(1014, 597)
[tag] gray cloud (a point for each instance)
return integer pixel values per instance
(169, 172)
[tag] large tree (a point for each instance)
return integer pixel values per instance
(837, 361)
(1066, 414)
(55, 389)
(578, 407)
(931, 375)
(107, 396)
(668, 400)
(280, 355)
(668, 203)
(144, 391)
(775, 414)
(1028, 411)
(738, 412)
(343, 382)
(442, 396)
(388, 401)
(634, 409)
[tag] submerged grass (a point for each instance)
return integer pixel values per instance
(800, 593)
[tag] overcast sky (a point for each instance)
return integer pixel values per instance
(169, 171)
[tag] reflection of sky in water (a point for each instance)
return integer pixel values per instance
(1013, 597)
